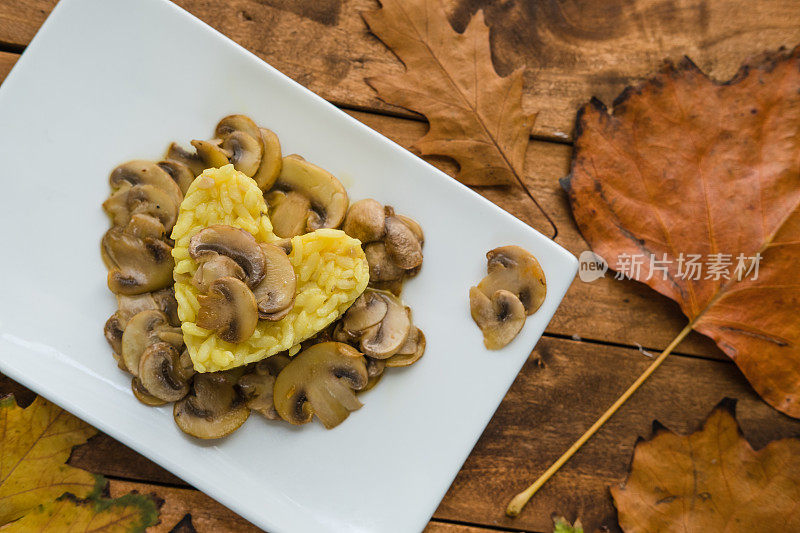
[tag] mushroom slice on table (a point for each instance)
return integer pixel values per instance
(320, 380)
(191, 160)
(275, 293)
(140, 172)
(500, 318)
(213, 408)
(516, 270)
(142, 330)
(256, 389)
(385, 338)
(229, 309)
(143, 396)
(142, 199)
(402, 244)
(180, 173)
(160, 373)
(234, 243)
(326, 196)
(365, 221)
(137, 265)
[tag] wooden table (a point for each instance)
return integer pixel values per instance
(573, 49)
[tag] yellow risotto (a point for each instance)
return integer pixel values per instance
(330, 266)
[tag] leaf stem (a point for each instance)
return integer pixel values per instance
(520, 500)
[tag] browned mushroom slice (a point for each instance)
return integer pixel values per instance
(288, 212)
(516, 270)
(256, 388)
(414, 226)
(142, 330)
(369, 309)
(219, 266)
(411, 351)
(145, 226)
(365, 221)
(141, 172)
(160, 373)
(229, 309)
(500, 318)
(137, 265)
(244, 151)
(275, 294)
(211, 153)
(161, 300)
(340, 334)
(275, 363)
(385, 338)
(142, 199)
(321, 381)
(402, 245)
(233, 123)
(271, 161)
(375, 368)
(381, 266)
(175, 152)
(214, 408)
(179, 172)
(234, 243)
(186, 365)
(143, 396)
(113, 330)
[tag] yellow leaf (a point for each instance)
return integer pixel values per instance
(35, 442)
(130, 513)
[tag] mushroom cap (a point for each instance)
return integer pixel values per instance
(414, 226)
(275, 293)
(214, 408)
(219, 266)
(229, 309)
(402, 244)
(288, 211)
(236, 243)
(140, 332)
(137, 265)
(381, 266)
(179, 172)
(411, 351)
(369, 309)
(365, 221)
(140, 172)
(500, 318)
(326, 194)
(244, 151)
(143, 396)
(176, 152)
(142, 199)
(256, 389)
(271, 160)
(385, 338)
(320, 380)
(516, 270)
(160, 373)
(233, 123)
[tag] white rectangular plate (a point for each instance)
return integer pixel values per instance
(105, 81)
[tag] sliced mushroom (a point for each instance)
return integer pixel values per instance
(326, 196)
(233, 123)
(113, 330)
(500, 318)
(142, 199)
(340, 334)
(381, 266)
(180, 173)
(256, 388)
(414, 226)
(274, 364)
(137, 265)
(186, 365)
(143, 396)
(365, 221)
(288, 212)
(385, 338)
(516, 270)
(275, 293)
(160, 373)
(402, 245)
(229, 309)
(244, 151)
(271, 160)
(369, 309)
(375, 367)
(175, 152)
(411, 351)
(141, 172)
(161, 300)
(142, 330)
(211, 153)
(214, 408)
(219, 266)
(235, 243)
(145, 226)
(321, 381)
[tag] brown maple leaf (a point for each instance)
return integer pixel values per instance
(475, 115)
(711, 480)
(684, 165)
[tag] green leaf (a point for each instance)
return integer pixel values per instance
(562, 525)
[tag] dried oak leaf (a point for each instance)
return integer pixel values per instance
(475, 116)
(686, 165)
(130, 513)
(35, 442)
(711, 480)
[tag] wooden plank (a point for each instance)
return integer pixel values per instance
(573, 50)
(562, 389)
(7, 61)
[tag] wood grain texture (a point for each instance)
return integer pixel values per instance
(573, 49)
(7, 61)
